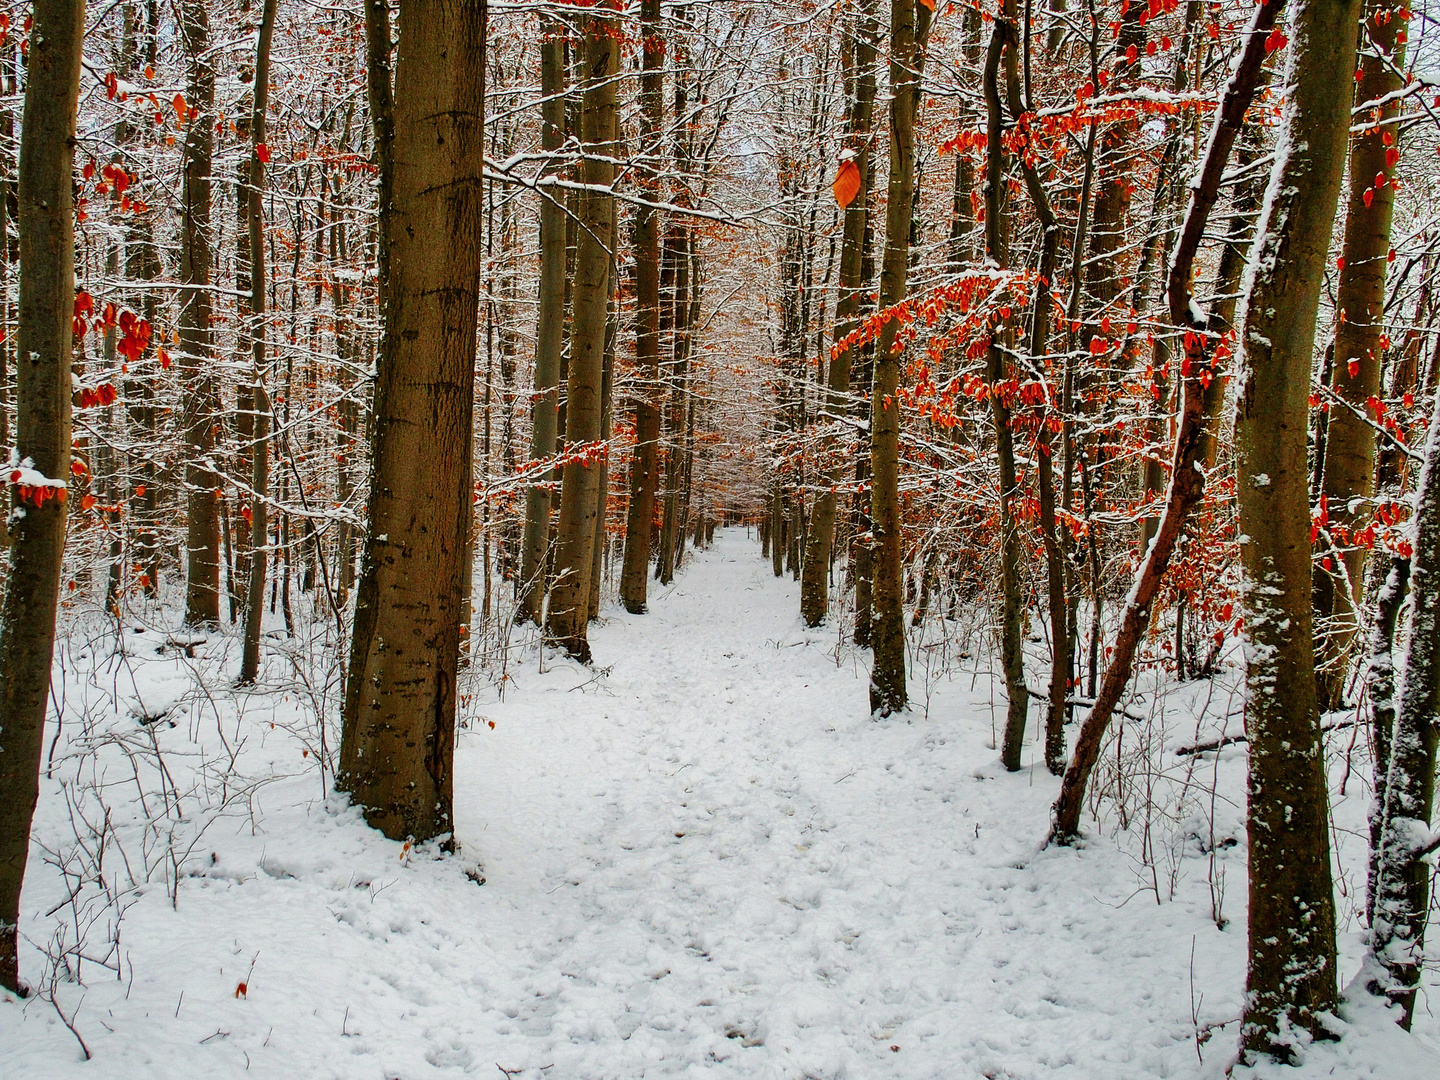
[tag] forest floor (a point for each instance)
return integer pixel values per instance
(700, 858)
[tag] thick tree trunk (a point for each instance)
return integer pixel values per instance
(42, 437)
(1349, 454)
(645, 465)
(549, 330)
(570, 596)
(1290, 984)
(202, 571)
(398, 738)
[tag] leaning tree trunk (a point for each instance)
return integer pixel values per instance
(1400, 826)
(549, 330)
(645, 464)
(1187, 482)
(860, 61)
(202, 571)
(42, 437)
(579, 493)
(259, 396)
(1290, 984)
(397, 743)
(1349, 465)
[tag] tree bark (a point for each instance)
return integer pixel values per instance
(860, 55)
(1349, 454)
(1290, 983)
(645, 465)
(550, 327)
(202, 572)
(1400, 826)
(909, 29)
(570, 595)
(1041, 307)
(260, 398)
(398, 736)
(42, 437)
(997, 248)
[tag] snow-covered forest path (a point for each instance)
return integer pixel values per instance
(703, 859)
(740, 867)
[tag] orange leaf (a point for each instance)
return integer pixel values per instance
(847, 182)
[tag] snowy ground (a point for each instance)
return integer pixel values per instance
(700, 860)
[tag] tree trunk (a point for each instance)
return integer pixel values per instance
(602, 495)
(398, 736)
(645, 465)
(42, 437)
(260, 400)
(1349, 455)
(997, 248)
(570, 596)
(549, 330)
(860, 56)
(1400, 825)
(202, 572)
(1055, 562)
(909, 28)
(1290, 984)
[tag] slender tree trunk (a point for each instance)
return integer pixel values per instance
(997, 248)
(607, 386)
(569, 598)
(202, 573)
(1349, 455)
(398, 735)
(1041, 307)
(675, 421)
(1400, 821)
(42, 437)
(1380, 687)
(260, 400)
(860, 56)
(645, 465)
(550, 327)
(909, 29)
(1290, 984)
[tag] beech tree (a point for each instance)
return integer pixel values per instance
(909, 28)
(399, 724)
(1291, 980)
(580, 494)
(40, 464)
